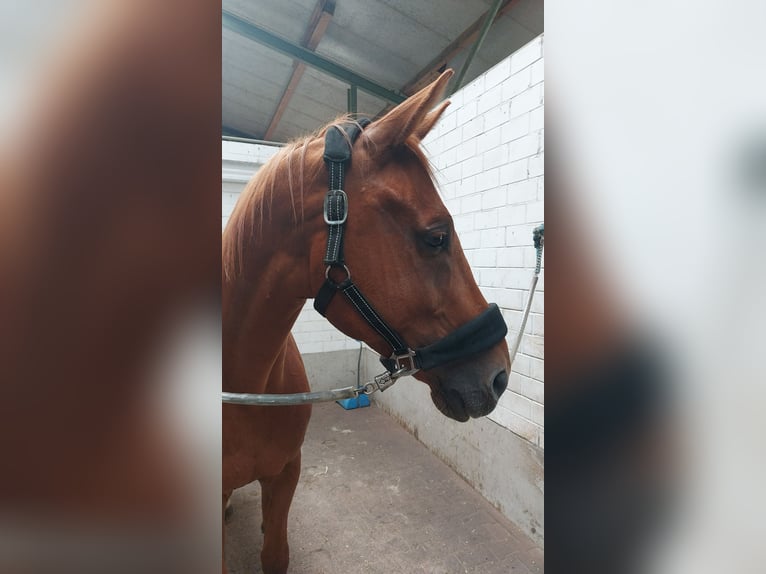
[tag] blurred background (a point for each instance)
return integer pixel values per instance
(109, 286)
(656, 185)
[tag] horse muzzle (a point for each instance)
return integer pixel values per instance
(461, 397)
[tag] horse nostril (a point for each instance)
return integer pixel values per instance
(500, 384)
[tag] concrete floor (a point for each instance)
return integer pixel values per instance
(372, 499)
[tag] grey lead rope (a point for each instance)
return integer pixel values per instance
(381, 383)
(384, 380)
(290, 399)
(538, 236)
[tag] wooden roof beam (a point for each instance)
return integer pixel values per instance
(320, 19)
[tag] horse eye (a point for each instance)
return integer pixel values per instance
(438, 239)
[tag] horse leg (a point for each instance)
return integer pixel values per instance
(277, 496)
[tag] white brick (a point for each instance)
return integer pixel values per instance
(537, 413)
(532, 345)
(521, 365)
(484, 257)
(451, 173)
(538, 324)
(497, 73)
(467, 112)
(537, 369)
(465, 149)
(471, 166)
(497, 115)
(537, 71)
(535, 212)
(494, 198)
(538, 303)
(523, 147)
(447, 190)
(527, 54)
(492, 237)
(509, 299)
(473, 128)
(486, 219)
(537, 119)
(515, 128)
(456, 99)
(488, 179)
(513, 214)
(448, 121)
(510, 257)
(453, 205)
(447, 157)
(522, 406)
(496, 157)
(522, 192)
(513, 320)
(431, 147)
(514, 171)
(466, 186)
(471, 240)
(516, 278)
(536, 165)
(515, 384)
(470, 203)
(463, 223)
(527, 101)
(473, 90)
(488, 140)
(516, 84)
(452, 138)
(490, 99)
(534, 390)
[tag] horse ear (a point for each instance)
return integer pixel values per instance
(430, 120)
(393, 129)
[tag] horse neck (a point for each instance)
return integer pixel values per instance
(263, 301)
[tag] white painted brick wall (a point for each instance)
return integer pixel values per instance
(489, 158)
(496, 122)
(239, 161)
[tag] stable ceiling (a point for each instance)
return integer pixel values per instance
(400, 45)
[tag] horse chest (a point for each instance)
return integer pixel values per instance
(261, 441)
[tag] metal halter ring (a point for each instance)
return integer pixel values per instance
(327, 273)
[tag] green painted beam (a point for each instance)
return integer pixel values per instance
(352, 100)
(491, 13)
(257, 34)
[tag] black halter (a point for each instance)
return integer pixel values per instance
(479, 334)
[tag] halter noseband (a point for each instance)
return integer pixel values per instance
(479, 334)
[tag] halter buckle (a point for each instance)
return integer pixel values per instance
(333, 193)
(403, 370)
(381, 383)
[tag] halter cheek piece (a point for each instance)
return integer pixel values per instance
(479, 334)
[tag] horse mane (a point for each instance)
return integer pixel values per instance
(292, 162)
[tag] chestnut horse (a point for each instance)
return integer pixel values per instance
(400, 244)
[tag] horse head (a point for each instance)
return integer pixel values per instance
(403, 253)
